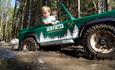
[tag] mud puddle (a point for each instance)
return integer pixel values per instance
(55, 60)
(51, 60)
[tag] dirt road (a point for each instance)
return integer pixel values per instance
(56, 60)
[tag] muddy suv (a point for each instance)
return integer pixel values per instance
(97, 33)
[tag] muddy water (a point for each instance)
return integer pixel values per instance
(63, 62)
(52, 60)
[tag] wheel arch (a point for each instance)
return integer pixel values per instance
(33, 35)
(103, 20)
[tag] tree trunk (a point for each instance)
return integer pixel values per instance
(102, 6)
(79, 8)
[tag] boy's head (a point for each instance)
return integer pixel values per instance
(46, 11)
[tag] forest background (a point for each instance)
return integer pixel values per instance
(18, 14)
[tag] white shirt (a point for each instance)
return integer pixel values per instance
(50, 19)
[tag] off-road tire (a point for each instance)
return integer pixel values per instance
(100, 41)
(29, 44)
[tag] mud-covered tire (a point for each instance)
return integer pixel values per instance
(100, 40)
(29, 44)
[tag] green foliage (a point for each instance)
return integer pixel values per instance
(6, 12)
(112, 3)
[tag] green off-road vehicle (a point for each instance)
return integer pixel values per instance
(96, 32)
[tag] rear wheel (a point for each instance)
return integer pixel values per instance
(100, 40)
(29, 44)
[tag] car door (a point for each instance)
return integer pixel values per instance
(52, 34)
(60, 33)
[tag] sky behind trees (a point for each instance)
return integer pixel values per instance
(13, 3)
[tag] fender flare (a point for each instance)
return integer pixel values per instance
(33, 35)
(97, 21)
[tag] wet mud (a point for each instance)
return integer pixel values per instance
(46, 59)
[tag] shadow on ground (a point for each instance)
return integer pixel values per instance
(75, 51)
(70, 51)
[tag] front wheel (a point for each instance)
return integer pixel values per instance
(100, 40)
(29, 44)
